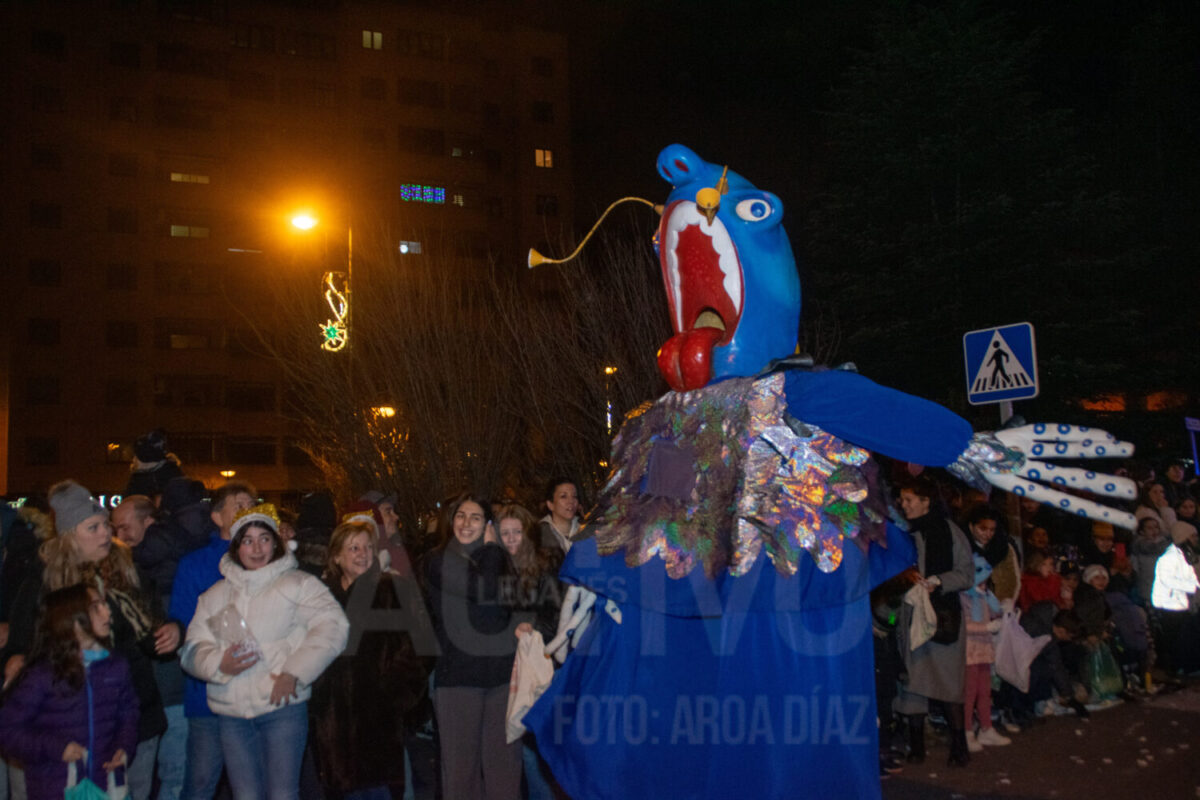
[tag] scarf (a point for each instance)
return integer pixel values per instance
(981, 601)
(125, 599)
(939, 543)
(92, 655)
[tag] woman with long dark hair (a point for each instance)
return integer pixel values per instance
(536, 597)
(937, 669)
(475, 629)
(74, 701)
(561, 523)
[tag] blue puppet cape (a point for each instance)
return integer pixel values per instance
(760, 685)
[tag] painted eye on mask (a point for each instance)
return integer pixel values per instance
(754, 209)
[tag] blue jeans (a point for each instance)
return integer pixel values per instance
(263, 754)
(537, 781)
(139, 777)
(204, 758)
(172, 754)
(377, 793)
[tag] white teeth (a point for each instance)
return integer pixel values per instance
(686, 214)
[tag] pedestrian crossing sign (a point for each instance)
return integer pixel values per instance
(1001, 364)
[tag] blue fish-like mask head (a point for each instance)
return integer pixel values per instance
(729, 273)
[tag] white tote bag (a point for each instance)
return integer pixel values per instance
(531, 673)
(924, 620)
(1015, 651)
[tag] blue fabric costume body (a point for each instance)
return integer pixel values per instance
(754, 685)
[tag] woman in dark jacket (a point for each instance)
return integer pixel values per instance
(936, 670)
(476, 633)
(359, 706)
(84, 551)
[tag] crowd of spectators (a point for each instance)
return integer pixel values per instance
(260, 652)
(1085, 586)
(232, 648)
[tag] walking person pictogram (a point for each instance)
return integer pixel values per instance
(999, 374)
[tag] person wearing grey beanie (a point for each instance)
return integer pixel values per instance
(72, 504)
(83, 550)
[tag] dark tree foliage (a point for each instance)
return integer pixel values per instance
(956, 201)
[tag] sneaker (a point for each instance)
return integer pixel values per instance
(1046, 708)
(992, 738)
(1009, 723)
(973, 745)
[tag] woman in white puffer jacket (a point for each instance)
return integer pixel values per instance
(260, 638)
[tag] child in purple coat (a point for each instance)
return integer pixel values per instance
(74, 701)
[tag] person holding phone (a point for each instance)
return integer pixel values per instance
(475, 630)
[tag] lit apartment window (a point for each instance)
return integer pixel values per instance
(458, 200)
(543, 158)
(184, 334)
(189, 231)
(409, 248)
(373, 40)
(188, 177)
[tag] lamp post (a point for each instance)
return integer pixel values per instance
(335, 332)
(608, 373)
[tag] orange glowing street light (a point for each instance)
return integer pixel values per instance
(335, 332)
(304, 221)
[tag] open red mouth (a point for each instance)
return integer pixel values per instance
(703, 278)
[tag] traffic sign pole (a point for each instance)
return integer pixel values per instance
(1001, 367)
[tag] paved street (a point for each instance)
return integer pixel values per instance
(1145, 749)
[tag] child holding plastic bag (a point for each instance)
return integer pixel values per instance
(981, 614)
(74, 702)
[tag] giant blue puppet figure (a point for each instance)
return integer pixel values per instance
(734, 545)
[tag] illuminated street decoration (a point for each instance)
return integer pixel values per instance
(335, 332)
(419, 193)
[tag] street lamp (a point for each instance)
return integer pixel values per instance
(335, 332)
(608, 373)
